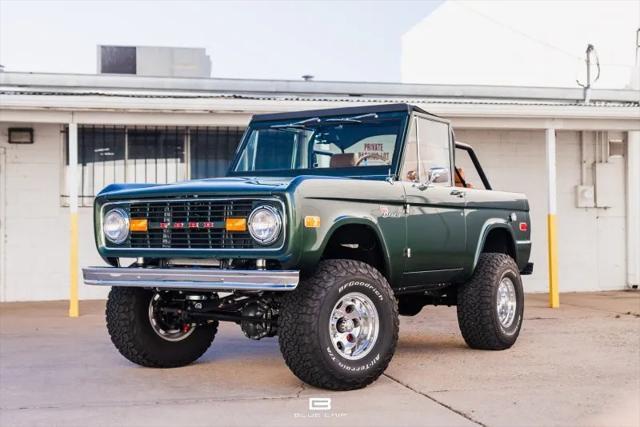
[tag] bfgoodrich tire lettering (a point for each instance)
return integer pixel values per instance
(304, 332)
(477, 304)
(131, 332)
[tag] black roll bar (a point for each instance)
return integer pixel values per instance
(476, 163)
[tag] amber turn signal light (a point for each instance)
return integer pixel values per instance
(235, 224)
(138, 225)
(312, 221)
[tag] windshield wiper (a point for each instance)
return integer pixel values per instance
(354, 119)
(300, 125)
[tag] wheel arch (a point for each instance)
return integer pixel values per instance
(362, 231)
(496, 236)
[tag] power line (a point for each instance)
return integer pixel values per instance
(533, 38)
(522, 33)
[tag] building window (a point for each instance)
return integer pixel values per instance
(157, 155)
(212, 150)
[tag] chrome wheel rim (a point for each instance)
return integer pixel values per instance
(161, 328)
(506, 302)
(354, 326)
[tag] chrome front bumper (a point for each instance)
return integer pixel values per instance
(193, 278)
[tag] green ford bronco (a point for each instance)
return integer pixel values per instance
(328, 226)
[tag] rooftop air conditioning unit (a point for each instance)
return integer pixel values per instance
(154, 61)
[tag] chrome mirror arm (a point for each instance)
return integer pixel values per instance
(433, 177)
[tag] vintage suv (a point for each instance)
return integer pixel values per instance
(329, 224)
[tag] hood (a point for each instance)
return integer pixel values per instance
(209, 186)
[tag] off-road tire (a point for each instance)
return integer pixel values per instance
(128, 324)
(477, 313)
(304, 326)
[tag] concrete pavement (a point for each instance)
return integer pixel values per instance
(578, 365)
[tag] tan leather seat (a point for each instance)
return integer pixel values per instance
(343, 160)
(458, 181)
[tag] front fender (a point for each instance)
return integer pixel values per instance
(316, 240)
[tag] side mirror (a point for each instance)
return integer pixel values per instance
(435, 175)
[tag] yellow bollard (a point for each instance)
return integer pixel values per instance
(554, 295)
(74, 309)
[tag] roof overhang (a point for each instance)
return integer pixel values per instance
(297, 87)
(114, 99)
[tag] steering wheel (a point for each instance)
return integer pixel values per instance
(374, 156)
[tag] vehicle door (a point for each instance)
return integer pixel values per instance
(435, 220)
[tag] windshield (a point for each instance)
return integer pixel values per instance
(353, 144)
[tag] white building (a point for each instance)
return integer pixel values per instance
(165, 129)
(523, 43)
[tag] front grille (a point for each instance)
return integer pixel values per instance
(190, 224)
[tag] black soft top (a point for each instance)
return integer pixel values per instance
(380, 108)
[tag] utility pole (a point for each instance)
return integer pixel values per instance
(587, 87)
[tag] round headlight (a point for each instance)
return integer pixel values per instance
(265, 224)
(115, 225)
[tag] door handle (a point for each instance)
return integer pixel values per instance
(457, 193)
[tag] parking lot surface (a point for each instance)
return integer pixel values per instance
(577, 365)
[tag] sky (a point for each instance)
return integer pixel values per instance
(331, 40)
